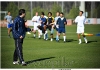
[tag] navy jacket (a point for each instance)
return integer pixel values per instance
(18, 28)
(61, 22)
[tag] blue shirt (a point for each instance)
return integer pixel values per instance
(44, 21)
(18, 28)
(61, 22)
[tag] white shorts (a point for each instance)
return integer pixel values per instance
(35, 26)
(80, 29)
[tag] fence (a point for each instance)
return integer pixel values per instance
(69, 22)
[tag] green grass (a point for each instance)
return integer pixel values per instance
(47, 54)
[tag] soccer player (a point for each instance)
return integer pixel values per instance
(55, 21)
(8, 19)
(80, 20)
(18, 31)
(61, 22)
(50, 24)
(43, 26)
(36, 20)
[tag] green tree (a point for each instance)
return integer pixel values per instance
(13, 9)
(73, 13)
(39, 10)
(55, 8)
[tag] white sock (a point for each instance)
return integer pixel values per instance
(34, 35)
(64, 38)
(44, 36)
(80, 40)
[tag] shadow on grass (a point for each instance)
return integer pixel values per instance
(67, 40)
(91, 41)
(70, 40)
(41, 59)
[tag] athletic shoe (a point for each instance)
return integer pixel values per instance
(24, 64)
(9, 36)
(15, 62)
(79, 42)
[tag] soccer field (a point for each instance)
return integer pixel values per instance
(46, 54)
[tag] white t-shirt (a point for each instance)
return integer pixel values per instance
(37, 19)
(80, 20)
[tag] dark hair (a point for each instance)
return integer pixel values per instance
(42, 13)
(21, 11)
(50, 13)
(82, 12)
(62, 13)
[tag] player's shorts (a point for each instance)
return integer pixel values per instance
(36, 26)
(9, 25)
(80, 29)
(61, 30)
(49, 27)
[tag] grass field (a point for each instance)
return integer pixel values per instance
(46, 54)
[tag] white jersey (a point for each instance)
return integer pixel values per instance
(37, 19)
(80, 20)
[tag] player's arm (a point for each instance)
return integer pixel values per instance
(65, 22)
(76, 20)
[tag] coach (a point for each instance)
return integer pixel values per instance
(18, 31)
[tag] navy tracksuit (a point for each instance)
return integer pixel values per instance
(19, 29)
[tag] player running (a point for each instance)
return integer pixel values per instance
(8, 19)
(43, 26)
(80, 20)
(61, 22)
(36, 20)
(50, 24)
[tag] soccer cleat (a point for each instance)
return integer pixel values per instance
(57, 40)
(9, 36)
(24, 64)
(79, 42)
(15, 62)
(46, 39)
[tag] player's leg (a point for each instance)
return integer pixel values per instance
(59, 31)
(9, 29)
(45, 32)
(82, 31)
(64, 35)
(79, 38)
(35, 27)
(78, 34)
(51, 28)
(85, 39)
(56, 32)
